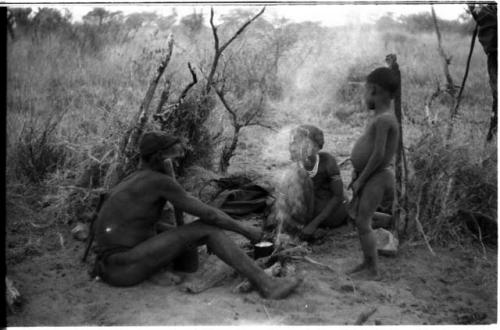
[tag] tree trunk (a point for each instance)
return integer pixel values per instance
(228, 151)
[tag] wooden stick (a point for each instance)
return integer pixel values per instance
(459, 97)
(419, 225)
(401, 164)
(364, 316)
(131, 137)
(314, 262)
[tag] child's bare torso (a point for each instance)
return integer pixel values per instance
(365, 145)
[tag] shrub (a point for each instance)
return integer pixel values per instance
(446, 184)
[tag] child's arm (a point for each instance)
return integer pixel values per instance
(338, 195)
(337, 189)
(382, 126)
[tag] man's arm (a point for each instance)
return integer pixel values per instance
(183, 201)
(382, 127)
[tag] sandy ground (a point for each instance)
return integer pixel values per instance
(456, 286)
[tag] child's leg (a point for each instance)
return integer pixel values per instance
(370, 197)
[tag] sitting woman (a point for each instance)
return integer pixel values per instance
(311, 193)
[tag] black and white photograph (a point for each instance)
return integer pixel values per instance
(251, 163)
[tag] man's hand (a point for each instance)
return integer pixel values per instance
(308, 230)
(254, 234)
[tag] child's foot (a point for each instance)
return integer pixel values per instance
(365, 271)
(361, 267)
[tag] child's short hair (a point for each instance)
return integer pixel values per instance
(311, 132)
(385, 78)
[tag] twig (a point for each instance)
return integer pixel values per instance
(314, 262)
(191, 84)
(61, 240)
(419, 225)
(364, 316)
(39, 226)
(263, 125)
(480, 235)
(267, 313)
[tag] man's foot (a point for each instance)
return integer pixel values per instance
(281, 288)
(166, 278)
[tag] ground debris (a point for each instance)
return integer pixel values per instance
(471, 318)
(364, 316)
(80, 232)
(12, 296)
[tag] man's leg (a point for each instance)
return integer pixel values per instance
(370, 198)
(131, 267)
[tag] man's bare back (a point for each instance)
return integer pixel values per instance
(131, 210)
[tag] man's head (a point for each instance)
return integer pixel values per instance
(381, 86)
(156, 146)
(305, 142)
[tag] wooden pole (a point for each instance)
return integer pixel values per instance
(401, 166)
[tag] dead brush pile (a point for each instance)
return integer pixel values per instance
(454, 196)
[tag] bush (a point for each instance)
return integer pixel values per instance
(37, 153)
(446, 184)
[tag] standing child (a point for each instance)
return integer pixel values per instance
(372, 157)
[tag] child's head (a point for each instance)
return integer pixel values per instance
(381, 86)
(305, 142)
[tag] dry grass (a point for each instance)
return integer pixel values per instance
(92, 98)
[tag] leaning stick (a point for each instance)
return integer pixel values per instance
(314, 262)
(459, 97)
(420, 228)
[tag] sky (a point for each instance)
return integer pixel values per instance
(327, 14)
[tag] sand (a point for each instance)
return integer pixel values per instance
(456, 286)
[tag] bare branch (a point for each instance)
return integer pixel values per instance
(219, 50)
(446, 59)
(241, 29)
(262, 125)
(258, 110)
(459, 97)
(188, 87)
(234, 117)
(214, 31)
(134, 132)
(164, 96)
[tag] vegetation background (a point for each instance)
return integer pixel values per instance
(74, 87)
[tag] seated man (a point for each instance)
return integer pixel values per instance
(311, 193)
(128, 248)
